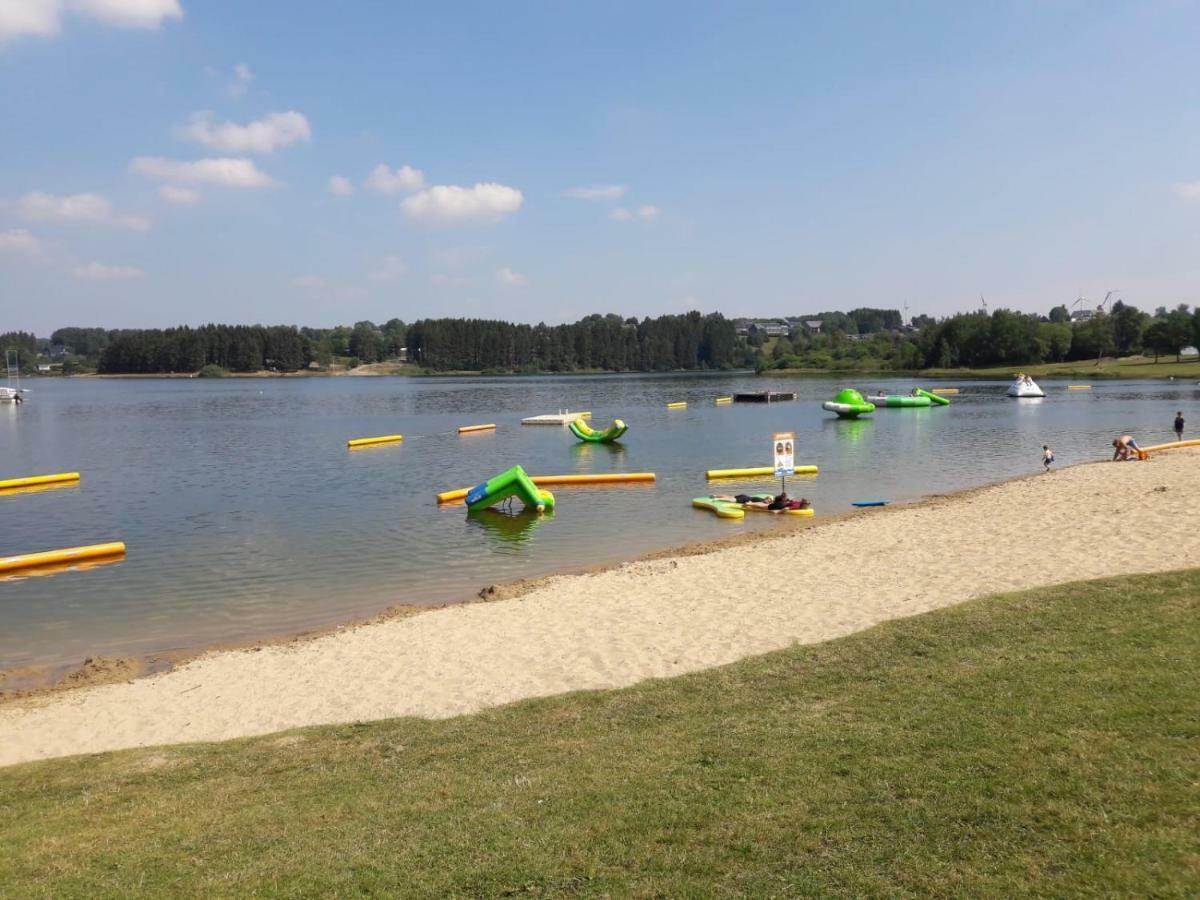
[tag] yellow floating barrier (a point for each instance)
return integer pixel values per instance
(682, 404)
(944, 391)
(1079, 387)
(59, 557)
(468, 429)
(721, 401)
(35, 480)
(758, 472)
(1173, 445)
(371, 441)
(542, 480)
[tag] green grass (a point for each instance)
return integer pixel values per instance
(1038, 744)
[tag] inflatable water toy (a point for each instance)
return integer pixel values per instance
(372, 441)
(900, 401)
(933, 398)
(562, 417)
(945, 390)
(52, 557)
(469, 429)
(1024, 386)
(722, 401)
(682, 404)
(758, 472)
(722, 508)
(511, 483)
(585, 432)
(34, 480)
(543, 480)
(869, 503)
(848, 404)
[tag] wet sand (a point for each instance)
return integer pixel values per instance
(651, 618)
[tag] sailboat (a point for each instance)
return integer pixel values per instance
(13, 391)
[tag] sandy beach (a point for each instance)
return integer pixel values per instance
(650, 619)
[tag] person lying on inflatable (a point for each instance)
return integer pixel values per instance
(771, 504)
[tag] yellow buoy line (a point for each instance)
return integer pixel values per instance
(543, 480)
(1173, 445)
(682, 404)
(469, 429)
(371, 441)
(944, 391)
(38, 480)
(60, 557)
(1079, 387)
(756, 472)
(722, 401)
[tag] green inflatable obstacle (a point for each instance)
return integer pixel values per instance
(585, 432)
(513, 483)
(848, 404)
(900, 401)
(937, 399)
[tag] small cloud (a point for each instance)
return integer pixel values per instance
(509, 278)
(242, 78)
(39, 206)
(95, 271)
(450, 204)
(18, 240)
(597, 192)
(277, 129)
(180, 196)
(403, 180)
(308, 282)
(1188, 190)
(647, 212)
(240, 172)
(340, 186)
(391, 268)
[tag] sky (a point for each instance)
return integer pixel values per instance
(168, 162)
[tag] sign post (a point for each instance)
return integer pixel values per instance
(784, 446)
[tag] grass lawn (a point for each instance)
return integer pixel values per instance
(1045, 743)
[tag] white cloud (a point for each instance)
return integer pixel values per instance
(308, 281)
(242, 173)
(391, 268)
(597, 192)
(42, 207)
(278, 129)
(18, 240)
(1189, 190)
(242, 76)
(341, 186)
(647, 212)
(449, 204)
(509, 278)
(180, 196)
(404, 180)
(44, 17)
(95, 271)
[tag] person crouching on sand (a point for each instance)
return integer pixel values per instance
(1124, 445)
(1047, 457)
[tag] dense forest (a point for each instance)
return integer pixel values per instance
(862, 339)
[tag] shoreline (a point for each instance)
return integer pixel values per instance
(51, 680)
(676, 612)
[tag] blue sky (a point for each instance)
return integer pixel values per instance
(170, 161)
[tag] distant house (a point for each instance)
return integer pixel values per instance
(1083, 315)
(773, 329)
(813, 326)
(1189, 352)
(43, 367)
(742, 326)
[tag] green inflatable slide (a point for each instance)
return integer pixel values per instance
(513, 483)
(585, 432)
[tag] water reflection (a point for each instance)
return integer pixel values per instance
(508, 529)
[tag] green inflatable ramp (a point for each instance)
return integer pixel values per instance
(513, 483)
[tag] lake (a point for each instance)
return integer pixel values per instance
(245, 515)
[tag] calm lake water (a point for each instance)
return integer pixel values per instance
(245, 515)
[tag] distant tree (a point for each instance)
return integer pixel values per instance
(366, 342)
(1128, 324)
(1157, 338)
(1060, 314)
(1179, 329)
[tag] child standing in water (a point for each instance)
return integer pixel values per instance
(1179, 425)
(1047, 457)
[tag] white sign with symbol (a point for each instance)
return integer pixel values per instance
(785, 457)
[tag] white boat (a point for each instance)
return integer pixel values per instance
(12, 393)
(1024, 386)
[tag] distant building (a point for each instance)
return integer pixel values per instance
(813, 326)
(43, 367)
(1189, 352)
(1083, 315)
(742, 326)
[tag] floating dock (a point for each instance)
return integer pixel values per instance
(764, 397)
(558, 418)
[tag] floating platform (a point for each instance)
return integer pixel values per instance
(764, 397)
(558, 418)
